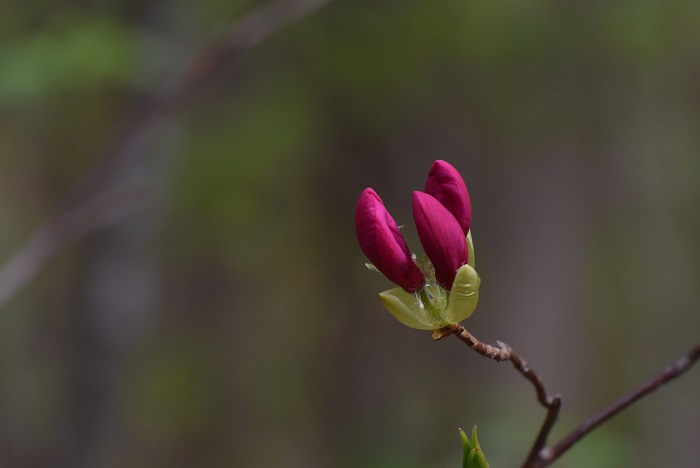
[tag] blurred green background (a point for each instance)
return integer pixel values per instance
(231, 321)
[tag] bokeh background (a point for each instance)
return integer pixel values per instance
(227, 319)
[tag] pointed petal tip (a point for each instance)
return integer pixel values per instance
(447, 185)
(370, 192)
(420, 197)
(441, 164)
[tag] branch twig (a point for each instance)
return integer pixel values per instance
(540, 456)
(671, 372)
(93, 214)
(500, 351)
(78, 216)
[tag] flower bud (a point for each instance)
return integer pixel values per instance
(441, 236)
(383, 244)
(447, 186)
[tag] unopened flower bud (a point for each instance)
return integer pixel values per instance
(441, 236)
(444, 290)
(447, 186)
(383, 244)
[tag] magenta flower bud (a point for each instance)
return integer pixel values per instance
(447, 186)
(383, 244)
(441, 236)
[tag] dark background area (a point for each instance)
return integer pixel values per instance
(230, 321)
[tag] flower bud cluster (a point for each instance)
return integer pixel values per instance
(443, 290)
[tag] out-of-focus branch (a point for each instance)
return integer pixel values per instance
(90, 206)
(671, 372)
(95, 213)
(541, 456)
(187, 79)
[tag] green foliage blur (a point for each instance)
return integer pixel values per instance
(231, 320)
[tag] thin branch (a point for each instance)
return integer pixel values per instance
(521, 365)
(497, 352)
(671, 372)
(78, 215)
(538, 451)
(552, 404)
(186, 80)
(102, 210)
(500, 351)
(540, 456)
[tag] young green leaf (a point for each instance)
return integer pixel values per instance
(476, 458)
(466, 447)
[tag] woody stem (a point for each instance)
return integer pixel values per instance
(540, 456)
(500, 351)
(671, 372)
